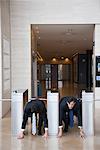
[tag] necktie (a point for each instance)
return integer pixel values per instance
(71, 119)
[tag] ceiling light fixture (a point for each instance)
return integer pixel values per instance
(37, 55)
(62, 57)
(66, 59)
(41, 59)
(74, 54)
(54, 59)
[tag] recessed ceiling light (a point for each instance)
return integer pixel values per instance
(66, 59)
(41, 59)
(54, 59)
(62, 57)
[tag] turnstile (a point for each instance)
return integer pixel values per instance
(88, 113)
(19, 98)
(53, 112)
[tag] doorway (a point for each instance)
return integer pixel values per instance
(64, 58)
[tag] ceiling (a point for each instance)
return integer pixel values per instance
(62, 40)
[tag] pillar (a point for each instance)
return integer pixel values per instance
(96, 52)
(34, 78)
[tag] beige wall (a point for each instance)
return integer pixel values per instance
(26, 12)
(5, 27)
(56, 11)
(21, 48)
(0, 66)
(5, 72)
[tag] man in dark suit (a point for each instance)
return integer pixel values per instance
(35, 106)
(68, 107)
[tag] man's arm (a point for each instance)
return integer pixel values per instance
(60, 132)
(45, 120)
(79, 115)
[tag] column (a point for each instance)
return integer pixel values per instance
(0, 67)
(96, 77)
(34, 78)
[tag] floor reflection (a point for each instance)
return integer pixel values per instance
(69, 141)
(88, 143)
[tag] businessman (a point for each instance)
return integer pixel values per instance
(35, 106)
(68, 107)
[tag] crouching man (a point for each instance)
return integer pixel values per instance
(35, 106)
(68, 107)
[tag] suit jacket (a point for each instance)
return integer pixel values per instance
(37, 106)
(77, 110)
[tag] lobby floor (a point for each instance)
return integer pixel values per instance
(69, 141)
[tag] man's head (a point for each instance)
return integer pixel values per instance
(71, 103)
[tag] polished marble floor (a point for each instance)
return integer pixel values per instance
(69, 141)
(66, 88)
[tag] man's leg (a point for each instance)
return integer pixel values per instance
(25, 118)
(40, 123)
(66, 122)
